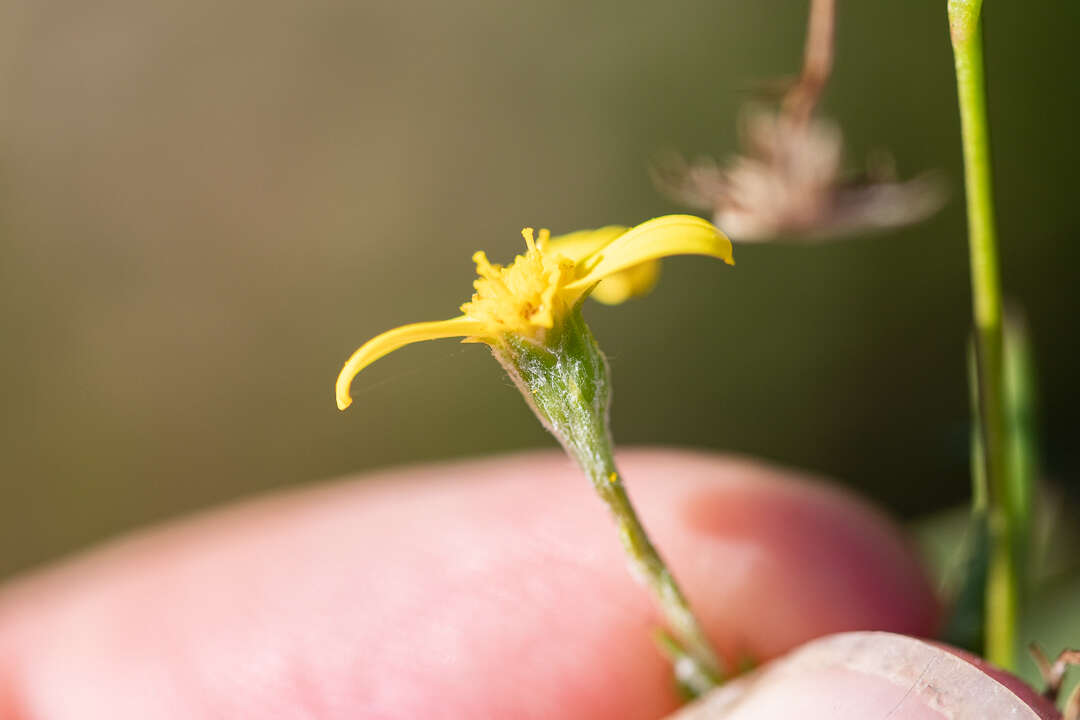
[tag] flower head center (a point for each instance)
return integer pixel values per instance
(524, 297)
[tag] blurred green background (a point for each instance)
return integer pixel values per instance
(206, 206)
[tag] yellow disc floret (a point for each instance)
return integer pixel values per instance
(525, 297)
(535, 292)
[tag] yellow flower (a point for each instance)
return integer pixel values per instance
(532, 294)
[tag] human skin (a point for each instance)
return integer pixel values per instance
(873, 674)
(480, 589)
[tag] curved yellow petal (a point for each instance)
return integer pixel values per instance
(614, 289)
(391, 340)
(579, 245)
(632, 282)
(652, 240)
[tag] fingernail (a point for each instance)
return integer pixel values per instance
(852, 676)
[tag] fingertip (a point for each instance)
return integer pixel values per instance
(857, 675)
(788, 555)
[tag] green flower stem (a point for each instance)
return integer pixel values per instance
(1003, 580)
(647, 565)
(566, 382)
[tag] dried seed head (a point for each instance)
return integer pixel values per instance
(789, 183)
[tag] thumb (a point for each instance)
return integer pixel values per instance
(852, 676)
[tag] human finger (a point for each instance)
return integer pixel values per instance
(490, 588)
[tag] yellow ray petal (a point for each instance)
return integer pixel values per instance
(579, 245)
(614, 289)
(391, 340)
(624, 285)
(652, 240)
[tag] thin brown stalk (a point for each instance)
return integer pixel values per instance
(802, 98)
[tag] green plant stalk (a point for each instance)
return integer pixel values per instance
(1003, 585)
(566, 381)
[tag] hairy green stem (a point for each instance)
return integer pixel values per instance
(1003, 585)
(647, 565)
(566, 382)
